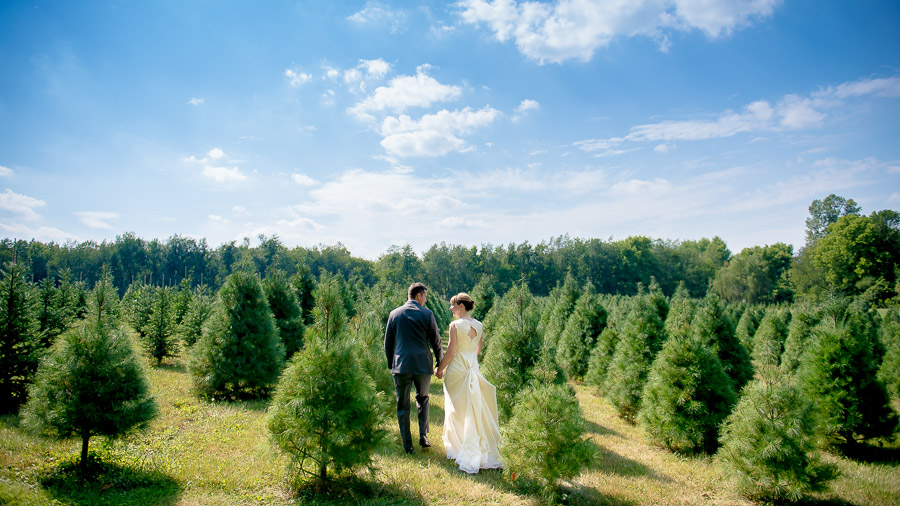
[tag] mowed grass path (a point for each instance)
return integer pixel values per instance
(217, 453)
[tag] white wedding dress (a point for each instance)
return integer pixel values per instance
(471, 424)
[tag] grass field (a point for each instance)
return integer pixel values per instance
(212, 453)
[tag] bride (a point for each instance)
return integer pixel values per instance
(471, 427)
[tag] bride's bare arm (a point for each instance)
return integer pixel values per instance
(448, 356)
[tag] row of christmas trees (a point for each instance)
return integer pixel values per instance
(785, 383)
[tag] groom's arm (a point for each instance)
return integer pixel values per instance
(435, 338)
(390, 334)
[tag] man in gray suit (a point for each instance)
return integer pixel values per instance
(409, 339)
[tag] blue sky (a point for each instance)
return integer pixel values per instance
(389, 123)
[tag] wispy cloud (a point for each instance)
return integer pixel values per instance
(378, 15)
(296, 78)
(566, 29)
(23, 205)
(792, 112)
(524, 107)
(97, 219)
(224, 174)
(212, 167)
(45, 234)
(196, 101)
(303, 179)
(5, 171)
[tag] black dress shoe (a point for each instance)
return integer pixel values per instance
(424, 442)
(409, 450)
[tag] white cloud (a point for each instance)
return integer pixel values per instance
(5, 171)
(22, 205)
(215, 217)
(97, 219)
(528, 105)
(216, 153)
(404, 92)
(792, 112)
(434, 134)
(376, 69)
(575, 29)
(239, 210)
(297, 78)
(303, 179)
(223, 174)
(196, 101)
(44, 234)
(378, 14)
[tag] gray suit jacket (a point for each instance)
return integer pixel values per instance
(410, 337)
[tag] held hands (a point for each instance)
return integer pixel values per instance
(439, 373)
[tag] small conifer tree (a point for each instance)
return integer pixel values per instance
(768, 442)
(800, 332)
(558, 313)
(747, 325)
(159, 331)
(239, 354)
(367, 327)
(641, 339)
(544, 439)
(580, 334)
(485, 294)
(181, 303)
(286, 310)
(137, 303)
(324, 414)
(202, 306)
(92, 382)
(516, 344)
(713, 328)
(769, 339)
(839, 372)
(889, 372)
(19, 338)
(681, 310)
(304, 285)
(601, 356)
(687, 395)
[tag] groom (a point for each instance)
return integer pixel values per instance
(409, 339)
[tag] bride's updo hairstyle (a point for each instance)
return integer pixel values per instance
(464, 299)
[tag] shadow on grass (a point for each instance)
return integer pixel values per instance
(808, 501)
(172, 366)
(353, 490)
(600, 430)
(870, 454)
(107, 483)
(613, 463)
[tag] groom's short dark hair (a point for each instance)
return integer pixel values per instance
(416, 289)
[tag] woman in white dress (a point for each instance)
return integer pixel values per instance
(471, 424)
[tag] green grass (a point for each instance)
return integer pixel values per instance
(218, 453)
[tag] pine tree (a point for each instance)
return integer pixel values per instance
(769, 339)
(92, 382)
(324, 414)
(239, 354)
(681, 310)
(601, 357)
(516, 344)
(159, 331)
(580, 334)
(202, 306)
(714, 330)
(747, 325)
(768, 442)
(687, 395)
(304, 285)
(889, 372)
(19, 338)
(441, 309)
(544, 439)
(800, 332)
(182, 301)
(137, 303)
(558, 313)
(367, 327)
(840, 373)
(485, 294)
(286, 310)
(640, 341)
